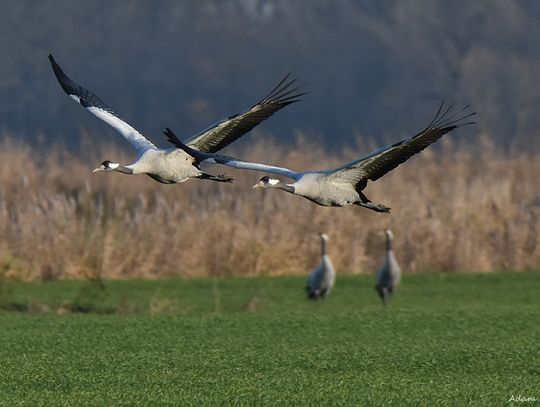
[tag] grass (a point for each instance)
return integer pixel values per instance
(445, 339)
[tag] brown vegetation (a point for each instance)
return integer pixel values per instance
(452, 210)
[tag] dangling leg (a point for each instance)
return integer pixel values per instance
(386, 297)
(218, 178)
(383, 293)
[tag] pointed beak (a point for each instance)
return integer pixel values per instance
(257, 185)
(99, 169)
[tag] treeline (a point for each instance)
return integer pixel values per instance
(374, 69)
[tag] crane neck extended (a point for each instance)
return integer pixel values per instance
(323, 246)
(284, 186)
(388, 243)
(124, 170)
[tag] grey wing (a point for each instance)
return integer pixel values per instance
(223, 133)
(376, 164)
(246, 165)
(99, 109)
(383, 276)
(315, 278)
(201, 156)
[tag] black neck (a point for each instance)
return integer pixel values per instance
(285, 187)
(124, 170)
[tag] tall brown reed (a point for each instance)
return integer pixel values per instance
(452, 210)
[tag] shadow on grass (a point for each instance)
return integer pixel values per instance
(92, 298)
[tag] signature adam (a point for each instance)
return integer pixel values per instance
(522, 399)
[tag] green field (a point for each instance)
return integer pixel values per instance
(445, 339)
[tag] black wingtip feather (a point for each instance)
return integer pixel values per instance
(448, 119)
(282, 92)
(436, 114)
(171, 137)
(70, 87)
(86, 98)
(280, 86)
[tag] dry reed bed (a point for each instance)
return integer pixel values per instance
(453, 211)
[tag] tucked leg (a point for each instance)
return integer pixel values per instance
(218, 178)
(366, 203)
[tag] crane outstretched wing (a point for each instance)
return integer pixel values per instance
(224, 132)
(379, 162)
(99, 109)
